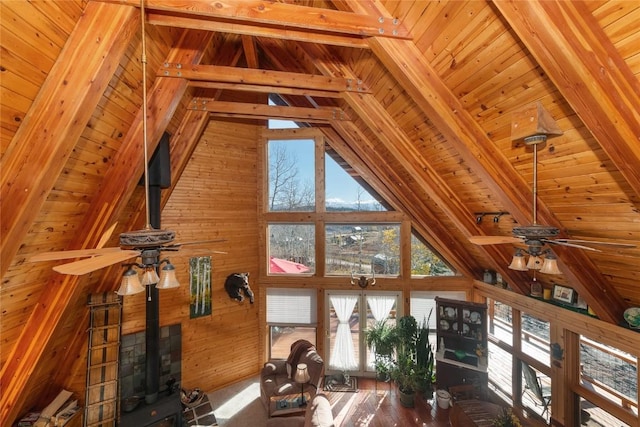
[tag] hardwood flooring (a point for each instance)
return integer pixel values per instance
(380, 406)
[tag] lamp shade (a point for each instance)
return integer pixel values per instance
(150, 277)
(302, 374)
(534, 263)
(550, 265)
(168, 278)
(518, 262)
(130, 283)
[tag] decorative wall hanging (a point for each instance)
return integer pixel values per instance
(564, 294)
(200, 286)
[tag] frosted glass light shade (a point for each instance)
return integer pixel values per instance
(550, 265)
(534, 263)
(168, 278)
(130, 283)
(150, 277)
(518, 262)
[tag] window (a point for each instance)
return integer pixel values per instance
(291, 315)
(291, 175)
(362, 249)
(344, 193)
(501, 322)
(424, 262)
(610, 373)
(291, 249)
(535, 338)
(423, 305)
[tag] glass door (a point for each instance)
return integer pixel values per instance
(348, 315)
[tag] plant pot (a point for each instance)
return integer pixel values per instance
(407, 399)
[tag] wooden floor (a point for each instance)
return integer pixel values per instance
(378, 405)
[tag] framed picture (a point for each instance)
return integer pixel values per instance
(200, 286)
(564, 294)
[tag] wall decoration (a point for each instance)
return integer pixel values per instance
(200, 286)
(564, 294)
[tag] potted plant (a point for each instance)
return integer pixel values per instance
(380, 339)
(405, 369)
(425, 360)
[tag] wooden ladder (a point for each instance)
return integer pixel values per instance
(105, 320)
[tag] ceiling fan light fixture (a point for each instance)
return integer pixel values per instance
(130, 283)
(534, 263)
(168, 279)
(150, 276)
(550, 265)
(518, 262)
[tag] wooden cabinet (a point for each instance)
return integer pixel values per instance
(461, 356)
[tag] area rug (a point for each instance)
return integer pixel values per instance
(340, 383)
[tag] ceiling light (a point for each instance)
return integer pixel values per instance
(518, 262)
(550, 265)
(168, 278)
(150, 276)
(130, 283)
(534, 263)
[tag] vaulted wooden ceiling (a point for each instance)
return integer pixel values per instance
(417, 96)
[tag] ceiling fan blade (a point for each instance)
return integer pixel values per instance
(572, 245)
(84, 266)
(106, 235)
(595, 242)
(196, 242)
(76, 253)
(494, 240)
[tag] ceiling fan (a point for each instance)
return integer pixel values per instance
(146, 243)
(535, 236)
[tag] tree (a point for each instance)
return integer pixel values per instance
(287, 192)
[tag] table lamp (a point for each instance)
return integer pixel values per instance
(302, 377)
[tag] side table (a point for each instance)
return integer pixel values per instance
(287, 404)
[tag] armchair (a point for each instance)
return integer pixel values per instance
(276, 376)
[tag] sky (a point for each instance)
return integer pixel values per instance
(340, 187)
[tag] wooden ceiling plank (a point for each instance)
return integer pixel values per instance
(248, 76)
(572, 48)
(409, 67)
(54, 124)
(56, 120)
(281, 15)
(126, 168)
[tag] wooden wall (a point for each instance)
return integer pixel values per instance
(214, 199)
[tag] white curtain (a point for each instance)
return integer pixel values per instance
(343, 356)
(380, 306)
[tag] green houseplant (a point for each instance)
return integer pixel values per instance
(425, 359)
(380, 338)
(405, 368)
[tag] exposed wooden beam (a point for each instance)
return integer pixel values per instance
(279, 16)
(415, 74)
(392, 189)
(248, 76)
(254, 111)
(255, 30)
(376, 118)
(264, 89)
(574, 51)
(250, 51)
(118, 184)
(56, 120)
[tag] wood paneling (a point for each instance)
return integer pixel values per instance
(439, 105)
